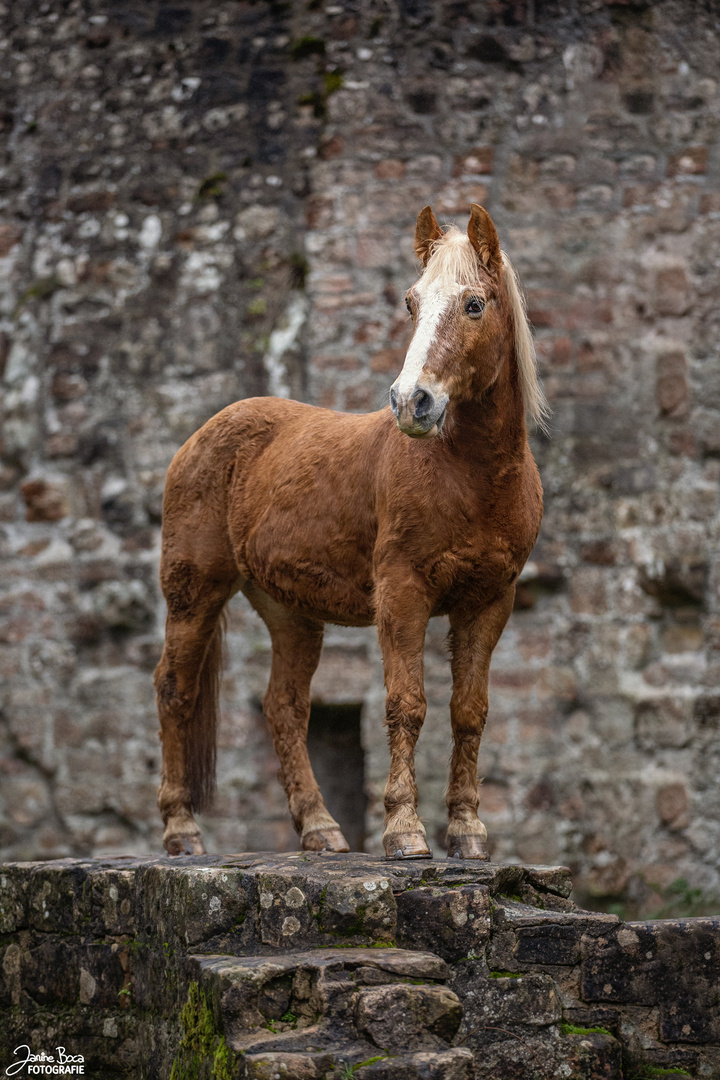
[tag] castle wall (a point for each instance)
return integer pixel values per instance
(182, 184)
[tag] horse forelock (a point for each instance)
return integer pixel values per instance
(453, 264)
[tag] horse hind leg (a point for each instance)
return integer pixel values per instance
(186, 682)
(296, 648)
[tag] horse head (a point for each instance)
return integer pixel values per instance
(467, 313)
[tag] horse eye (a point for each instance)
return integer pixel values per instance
(474, 306)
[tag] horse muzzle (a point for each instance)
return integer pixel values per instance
(420, 413)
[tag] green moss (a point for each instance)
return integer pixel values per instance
(348, 1070)
(41, 289)
(299, 267)
(649, 1072)
(257, 307)
(307, 46)
(223, 1062)
(575, 1029)
(289, 1017)
(202, 1053)
(506, 974)
(332, 81)
(212, 186)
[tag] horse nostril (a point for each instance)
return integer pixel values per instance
(393, 400)
(424, 402)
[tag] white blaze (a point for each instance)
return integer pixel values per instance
(432, 309)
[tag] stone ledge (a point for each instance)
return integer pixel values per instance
(307, 963)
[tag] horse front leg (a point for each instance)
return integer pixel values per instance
(402, 637)
(473, 637)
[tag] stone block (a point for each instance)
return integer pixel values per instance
(13, 897)
(288, 1066)
(113, 902)
(548, 945)
(289, 907)
(510, 1056)
(44, 501)
(593, 1056)
(675, 964)
(401, 1016)
(188, 905)
(455, 1064)
(50, 973)
(530, 999)
(524, 937)
(101, 975)
(55, 897)
(479, 160)
(456, 921)
(692, 161)
(359, 908)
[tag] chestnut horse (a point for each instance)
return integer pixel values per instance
(429, 507)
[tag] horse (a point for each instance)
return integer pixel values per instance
(427, 507)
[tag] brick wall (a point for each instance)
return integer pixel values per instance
(202, 204)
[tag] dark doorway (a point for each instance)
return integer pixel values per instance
(338, 762)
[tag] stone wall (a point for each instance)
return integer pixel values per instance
(316, 966)
(200, 203)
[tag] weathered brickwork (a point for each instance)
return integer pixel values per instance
(316, 966)
(203, 202)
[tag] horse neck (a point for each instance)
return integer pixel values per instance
(492, 425)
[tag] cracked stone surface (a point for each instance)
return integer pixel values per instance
(142, 964)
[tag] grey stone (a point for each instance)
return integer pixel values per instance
(455, 1064)
(400, 1015)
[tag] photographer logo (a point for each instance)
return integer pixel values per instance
(58, 1064)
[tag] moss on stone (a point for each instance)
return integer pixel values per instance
(576, 1029)
(307, 46)
(203, 1053)
(649, 1072)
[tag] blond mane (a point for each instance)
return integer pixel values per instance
(453, 262)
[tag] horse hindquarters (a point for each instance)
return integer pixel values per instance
(198, 574)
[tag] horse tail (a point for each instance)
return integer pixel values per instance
(201, 733)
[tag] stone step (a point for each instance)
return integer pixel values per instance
(455, 1064)
(317, 1010)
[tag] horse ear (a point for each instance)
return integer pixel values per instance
(427, 231)
(484, 238)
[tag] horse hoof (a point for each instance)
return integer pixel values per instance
(324, 840)
(467, 847)
(406, 846)
(184, 844)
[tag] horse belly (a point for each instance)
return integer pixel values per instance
(310, 578)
